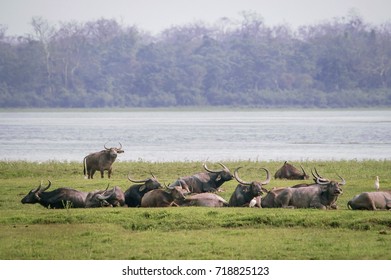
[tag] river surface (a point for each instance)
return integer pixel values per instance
(163, 136)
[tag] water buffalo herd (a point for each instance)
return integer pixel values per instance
(201, 189)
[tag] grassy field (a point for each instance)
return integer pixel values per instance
(33, 232)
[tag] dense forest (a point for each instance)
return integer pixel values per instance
(343, 62)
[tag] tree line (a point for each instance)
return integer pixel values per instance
(343, 62)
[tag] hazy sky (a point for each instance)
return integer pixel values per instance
(156, 15)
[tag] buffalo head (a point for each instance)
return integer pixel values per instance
(34, 195)
(223, 174)
(256, 187)
(113, 151)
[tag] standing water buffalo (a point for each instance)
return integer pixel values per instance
(163, 198)
(288, 171)
(135, 193)
(246, 191)
(65, 198)
(209, 181)
(371, 201)
(101, 161)
(322, 195)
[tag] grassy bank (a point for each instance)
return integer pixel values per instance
(33, 232)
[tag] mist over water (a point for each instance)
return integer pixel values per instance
(164, 136)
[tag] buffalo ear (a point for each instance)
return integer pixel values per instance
(143, 187)
(218, 178)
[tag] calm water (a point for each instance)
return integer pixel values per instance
(197, 135)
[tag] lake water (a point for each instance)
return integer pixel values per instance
(163, 136)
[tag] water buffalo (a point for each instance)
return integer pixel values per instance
(322, 195)
(246, 191)
(371, 201)
(114, 197)
(135, 193)
(204, 199)
(59, 198)
(209, 181)
(163, 198)
(288, 171)
(64, 198)
(101, 161)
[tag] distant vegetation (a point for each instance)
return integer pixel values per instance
(343, 62)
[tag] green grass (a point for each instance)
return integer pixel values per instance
(33, 232)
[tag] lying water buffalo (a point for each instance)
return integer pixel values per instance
(323, 195)
(288, 171)
(135, 193)
(209, 181)
(163, 198)
(246, 191)
(101, 161)
(114, 197)
(371, 201)
(204, 199)
(65, 198)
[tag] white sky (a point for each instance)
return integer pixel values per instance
(156, 15)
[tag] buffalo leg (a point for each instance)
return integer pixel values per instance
(102, 174)
(92, 174)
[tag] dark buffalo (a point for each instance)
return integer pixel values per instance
(371, 201)
(246, 191)
(59, 198)
(64, 198)
(163, 198)
(205, 199)
(288, 171)
(101, 161)
(114, 197)
(323, 195)
(135, 193)
(209, 181)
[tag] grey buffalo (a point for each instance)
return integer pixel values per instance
(288, 171)
(209, 181)
(135, 193)
(371, 201)
(322, 195)
(114, 197)
(101, 161)
(205, 199)
(269, 201)
(246, 191)
(163, 198)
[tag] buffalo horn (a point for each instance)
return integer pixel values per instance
(319, 179)
(136, 181)
(303, 170)
(343, 182)
(48, 186)
(103, 196)
(214, 171)
(268, 178)
(153, 176)
(236, 175)
(38, 188)
(105, 146)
